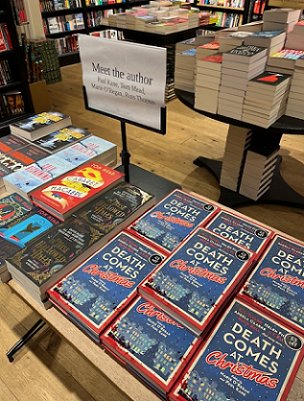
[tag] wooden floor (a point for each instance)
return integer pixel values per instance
(49, 369)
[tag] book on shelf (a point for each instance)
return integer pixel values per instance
(151, 344)
(198, 279)
(40, 125)
(6, 74)
(100, 288)
(169, 222)
(5, 38)
(11, 104)
(276, 284)
(74, 189)
(264, 354)
(12, 208)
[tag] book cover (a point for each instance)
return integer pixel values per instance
(210, 46)
(10, 142)
(271, 78)
(246, 51)
(8, 165)
(241, 230)
(39, 121)
(277, 282)
(248, 357)
(169, 222)
(151, 343)
(198, 278)
(266, 34)
(13, 207)
(28, 154)
(61, 138)
(77, 154)
(63, 195)
(213, 58)
(101, 287)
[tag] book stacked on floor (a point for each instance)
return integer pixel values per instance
(296, 93)
(198, 279)
(295, 38)
(284, 61)
(207, 83)
(266, 98)
(249, 356)
(234, 39)
(239, 66)
(280, 19)
(184, 75)
(151, 344)
(273, 40)
(95, 293)
(237, 142)
(276, 284)
(258, 172)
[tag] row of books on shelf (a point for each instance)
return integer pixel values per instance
(225, 19)
(52, 5)
(11, 104)
(5, 39)
(67, 44)
(19, 11)
(65, 23)
(223, 3)
(5, 72)
(101, 2)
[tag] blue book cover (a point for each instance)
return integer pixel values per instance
(13, 207)
(198, 278)
(151, 342)
(248, 357)
(278, 281)
(98, 289)
(266, 34)
(240, 230)
(169, 222)
(98, 145)
(76, 154)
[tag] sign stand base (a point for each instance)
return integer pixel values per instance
(125, 155)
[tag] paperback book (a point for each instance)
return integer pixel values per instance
(196, 281)
(99, 289)
(277, 284)
(12, 208)
(151, 344)
(168, 223)
(10, 142)
(248, 357)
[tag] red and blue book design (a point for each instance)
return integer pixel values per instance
(169, 222)
(196, 281)
(241, 230)
(153, 346)
(13, 207)
(248, 357)
(94, 293)
(74, 189)
(277, 283)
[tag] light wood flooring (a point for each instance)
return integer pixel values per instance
(49, 369)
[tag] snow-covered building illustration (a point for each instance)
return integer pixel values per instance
(296, 312)
(170, 241)
(100, 309)
(169, 286)
(133, 337)
(75, 291)
(198, 305)
(199, 388)
(265, 295)
(148, 229)
(165, 359)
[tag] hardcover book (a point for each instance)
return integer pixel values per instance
(248, 357)
(169, 222)
(277, 283)
(99, 289)
(13, 207)
(241, 230)
(39, 125)
(196, 281)
(152, 344)
(66, 194)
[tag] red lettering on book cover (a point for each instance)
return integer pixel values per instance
(171, 219)
(94, 270)
(150, 310)
(197, 271)
(284, 278)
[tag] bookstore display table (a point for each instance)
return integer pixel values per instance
(280, 192)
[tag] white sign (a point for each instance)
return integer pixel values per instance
(124, 79)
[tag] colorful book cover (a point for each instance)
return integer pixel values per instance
(214, 58)
(151, 343)
(241, 230)
(248, 357)
(10, 142)
(40, 120)
(210, 46)
(8, 165)
(198, 278)
(61, 138)
(169, 222)
(76, 154)
(13, 207)
(101, 287)
(29, 154)
(271, 78)
(98, 145)
(288, 54)
(71, 190)
(277, 283)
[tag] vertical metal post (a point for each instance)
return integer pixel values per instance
(125, 155)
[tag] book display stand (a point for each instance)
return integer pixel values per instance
(280, 192)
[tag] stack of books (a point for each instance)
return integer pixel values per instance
(266, 99)
(207, 49)
(255, 26)
(208, 81)
(185, 70)
(296, 93)
(281, 19)
(237, 142)
(295, 39)
(239, 66)
(284, 61)
(273, 40)
(233, 40)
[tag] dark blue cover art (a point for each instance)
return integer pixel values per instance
(195, 278)
(278, 281)
(242, 232)
(13, 207)
(248, 358)
(99, 286)
(154, 339)
(169, 222)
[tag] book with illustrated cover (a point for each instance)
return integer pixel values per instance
(11, 142)
(245, 54)
(153, 346)
(248, 357)
(169, 222)
(196, 281)
(13, 207)
(277, 283)
(66, 194)
(62, 138)
(241, 230)
(271, 79)
(39, 125)
(99, 289)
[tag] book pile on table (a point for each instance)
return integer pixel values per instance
(280, 19)
(273, 40)
(184, 76)
(207, 49)
(296, 93)
(296, 37)
(284, 61)
(234, 39)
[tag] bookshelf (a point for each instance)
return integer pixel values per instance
(15, 98)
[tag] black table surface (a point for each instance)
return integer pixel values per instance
(285, 124)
